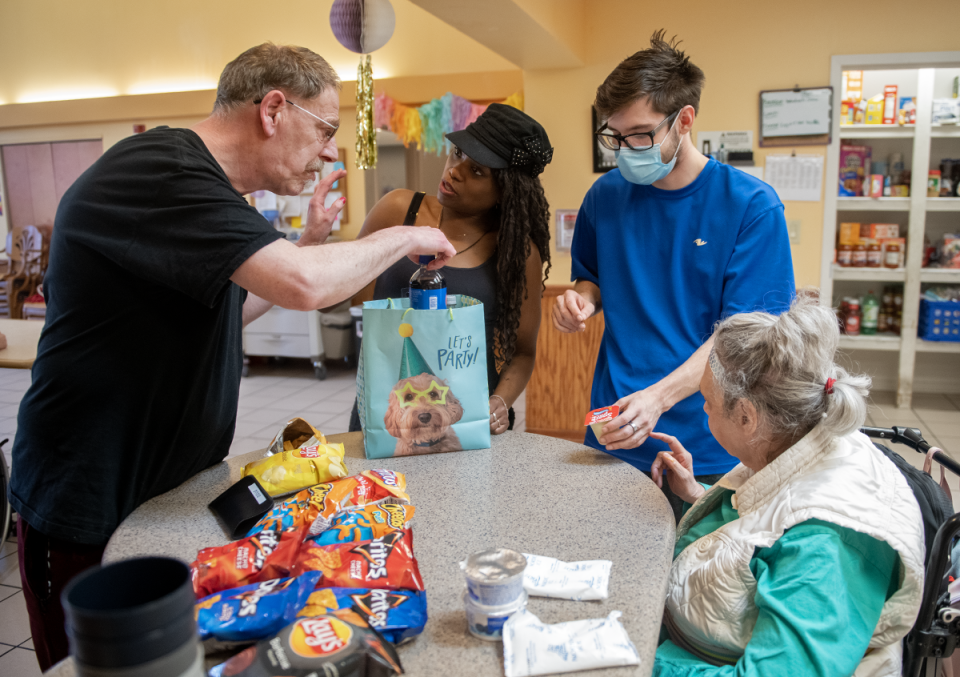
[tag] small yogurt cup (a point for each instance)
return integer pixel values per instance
(495, 576)
(598, 418)
(486, 622)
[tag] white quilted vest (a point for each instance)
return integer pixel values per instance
(845, 481)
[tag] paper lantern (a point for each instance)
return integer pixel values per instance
(362, 26)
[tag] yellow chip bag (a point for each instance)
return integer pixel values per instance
(297, 469)
(294, 434)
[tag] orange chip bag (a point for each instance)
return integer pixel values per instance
(268, 555)
(314, 507)
(386, 562)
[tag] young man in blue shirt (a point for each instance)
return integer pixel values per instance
(667, 244)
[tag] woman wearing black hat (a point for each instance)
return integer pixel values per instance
(491, 207)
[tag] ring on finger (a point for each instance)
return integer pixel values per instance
(634, 426)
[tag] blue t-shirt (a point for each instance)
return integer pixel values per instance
(669, 265)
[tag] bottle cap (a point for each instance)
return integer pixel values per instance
(424, 260)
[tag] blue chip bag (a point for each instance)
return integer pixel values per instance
(398, 615)
(366, 523)
(255, 611)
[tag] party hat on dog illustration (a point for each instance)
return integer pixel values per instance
(422, 409)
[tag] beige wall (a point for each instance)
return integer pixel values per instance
(743, 47)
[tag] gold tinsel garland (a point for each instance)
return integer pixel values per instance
(366, 133)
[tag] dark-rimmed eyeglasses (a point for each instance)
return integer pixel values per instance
(327, 135)
(638, 141)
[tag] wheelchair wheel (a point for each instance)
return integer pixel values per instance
(5, 511)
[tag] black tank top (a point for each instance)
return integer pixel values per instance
(479, 282)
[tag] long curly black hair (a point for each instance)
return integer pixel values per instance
(524, 216)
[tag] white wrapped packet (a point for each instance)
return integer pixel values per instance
(579, 581)
(534, 648)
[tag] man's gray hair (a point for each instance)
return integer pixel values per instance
(296, 71)
(782, 365)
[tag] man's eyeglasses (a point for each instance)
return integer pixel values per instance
(638, 141)
(327, 135)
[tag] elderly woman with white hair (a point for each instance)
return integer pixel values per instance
(807, 558)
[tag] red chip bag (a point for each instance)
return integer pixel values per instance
(386, 562)
(269, 554)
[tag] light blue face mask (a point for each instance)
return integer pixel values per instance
(645, 166)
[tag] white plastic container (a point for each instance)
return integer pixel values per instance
(495, 576)
(486, 622)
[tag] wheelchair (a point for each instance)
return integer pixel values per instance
(937, 629)
(4, 503)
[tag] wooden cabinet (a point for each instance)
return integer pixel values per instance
(38, 174)
(558, 395)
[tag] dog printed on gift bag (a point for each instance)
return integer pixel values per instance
(422, 408)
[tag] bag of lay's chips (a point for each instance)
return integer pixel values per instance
(299, 468)
(255, 611)
(294, 434)
(270, 554)
(398, 615)
(340, 644)
(366, 523)
(386, 562)
(314, 507)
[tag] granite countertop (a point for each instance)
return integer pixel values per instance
(534, 494)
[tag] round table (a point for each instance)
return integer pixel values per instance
(534, 494)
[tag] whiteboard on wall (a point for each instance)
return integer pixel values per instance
(796, 112)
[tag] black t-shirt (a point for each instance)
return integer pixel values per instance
(137, 376)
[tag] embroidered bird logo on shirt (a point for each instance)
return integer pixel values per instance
(699, 242)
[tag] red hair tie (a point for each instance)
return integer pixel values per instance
(829, 386)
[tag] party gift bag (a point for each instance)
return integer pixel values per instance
(422, 378)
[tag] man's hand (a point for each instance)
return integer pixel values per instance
(571, 312)
(642, 409)
(424, 241)
(678, 465)
(319, 218)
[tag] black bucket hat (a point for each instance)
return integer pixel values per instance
(504, 136)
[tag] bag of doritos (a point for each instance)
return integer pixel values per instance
(299, 468)
(315, 506)
(386, 562)
(340, 643)
(365, 523)
(270, 554)
(255, 611)
(398, 615)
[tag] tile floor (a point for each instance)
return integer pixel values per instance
(272, 393)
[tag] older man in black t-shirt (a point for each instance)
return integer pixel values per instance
(156, 263)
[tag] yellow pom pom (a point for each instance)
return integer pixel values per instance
(405, 330)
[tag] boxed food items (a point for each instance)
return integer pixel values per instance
(878, 231)
(874, 110)
(890, 105)
(946, 111)
(849, 233)
(854, 170)
(907, 115)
